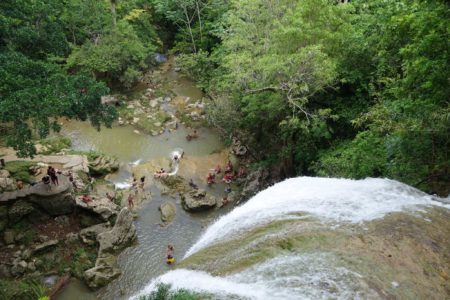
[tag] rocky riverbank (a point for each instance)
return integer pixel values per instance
(48, 230)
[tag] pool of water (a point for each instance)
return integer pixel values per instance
(146, 260)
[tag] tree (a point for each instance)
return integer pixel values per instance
(36, 93)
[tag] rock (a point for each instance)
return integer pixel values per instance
(120, 236)
(255, 182)
(89, 235)
(71, 238)
(9, 237)
(37, 216)
(194, 115)
(157, 124)
(197, 200)
(168, 211)
(62, 220)
(154, 133)
(159, 99)
(103, 165)
(18, 268)
(56, 204)
(102, 207)
(43, 238)
(130, 106)
(177, 69)
(4, 271)
(6, 182)
(153, 103)
(3, 217)
(135, 120)
(167, 99)
(136, 131)
(18, 253)
(100, 276)
(109, 99)
(26, 254)
(44, 246)
(19, 237)
(31, 267)
(172, 125)
(19, 210)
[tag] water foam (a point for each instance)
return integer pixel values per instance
(303, 276)
(329, 199)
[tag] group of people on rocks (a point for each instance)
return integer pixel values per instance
(229, 174)
(135, 186)
(51, 177)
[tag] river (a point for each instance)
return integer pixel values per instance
(146, 260)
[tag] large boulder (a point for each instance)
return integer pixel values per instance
(19, 210)
(255, 182)
(55, 204)
(3, 217)
(101, 275)
(89, 235)
(103, 165)
(197, 200)
(6, 182)
(168, 211)
(103, 207)
(120, 236)
(44, 246)
(9, 237)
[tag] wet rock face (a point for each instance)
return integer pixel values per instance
(197, 200)
(168, 211)
(103, 165)
(89, 235)
(122, 234)
(101, 275)
(255, 182)
(103, 207)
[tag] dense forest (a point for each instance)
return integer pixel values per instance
(317, 87)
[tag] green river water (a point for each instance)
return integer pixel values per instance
(145, 260)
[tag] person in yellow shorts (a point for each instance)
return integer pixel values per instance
(169, 254)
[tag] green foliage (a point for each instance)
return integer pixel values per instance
(22, 289)
(116, 55)
(55, 144)
(164, 292)
(20, 170)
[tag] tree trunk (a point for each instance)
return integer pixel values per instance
(188, 23)
(199, 19)
(113, 12)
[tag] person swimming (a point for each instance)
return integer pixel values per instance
(169, 255)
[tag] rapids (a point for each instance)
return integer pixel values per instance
(320, 238)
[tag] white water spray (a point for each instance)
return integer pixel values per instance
(312, 275)
(329, 199)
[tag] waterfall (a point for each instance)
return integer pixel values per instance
(338, 205)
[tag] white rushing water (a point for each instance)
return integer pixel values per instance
(306, 275)
(329, 199)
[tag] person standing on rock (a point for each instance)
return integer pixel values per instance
(141, 185)
(130, 201)
(52, 173)
(46, 181)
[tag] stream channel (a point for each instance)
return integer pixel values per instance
(146, 260)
